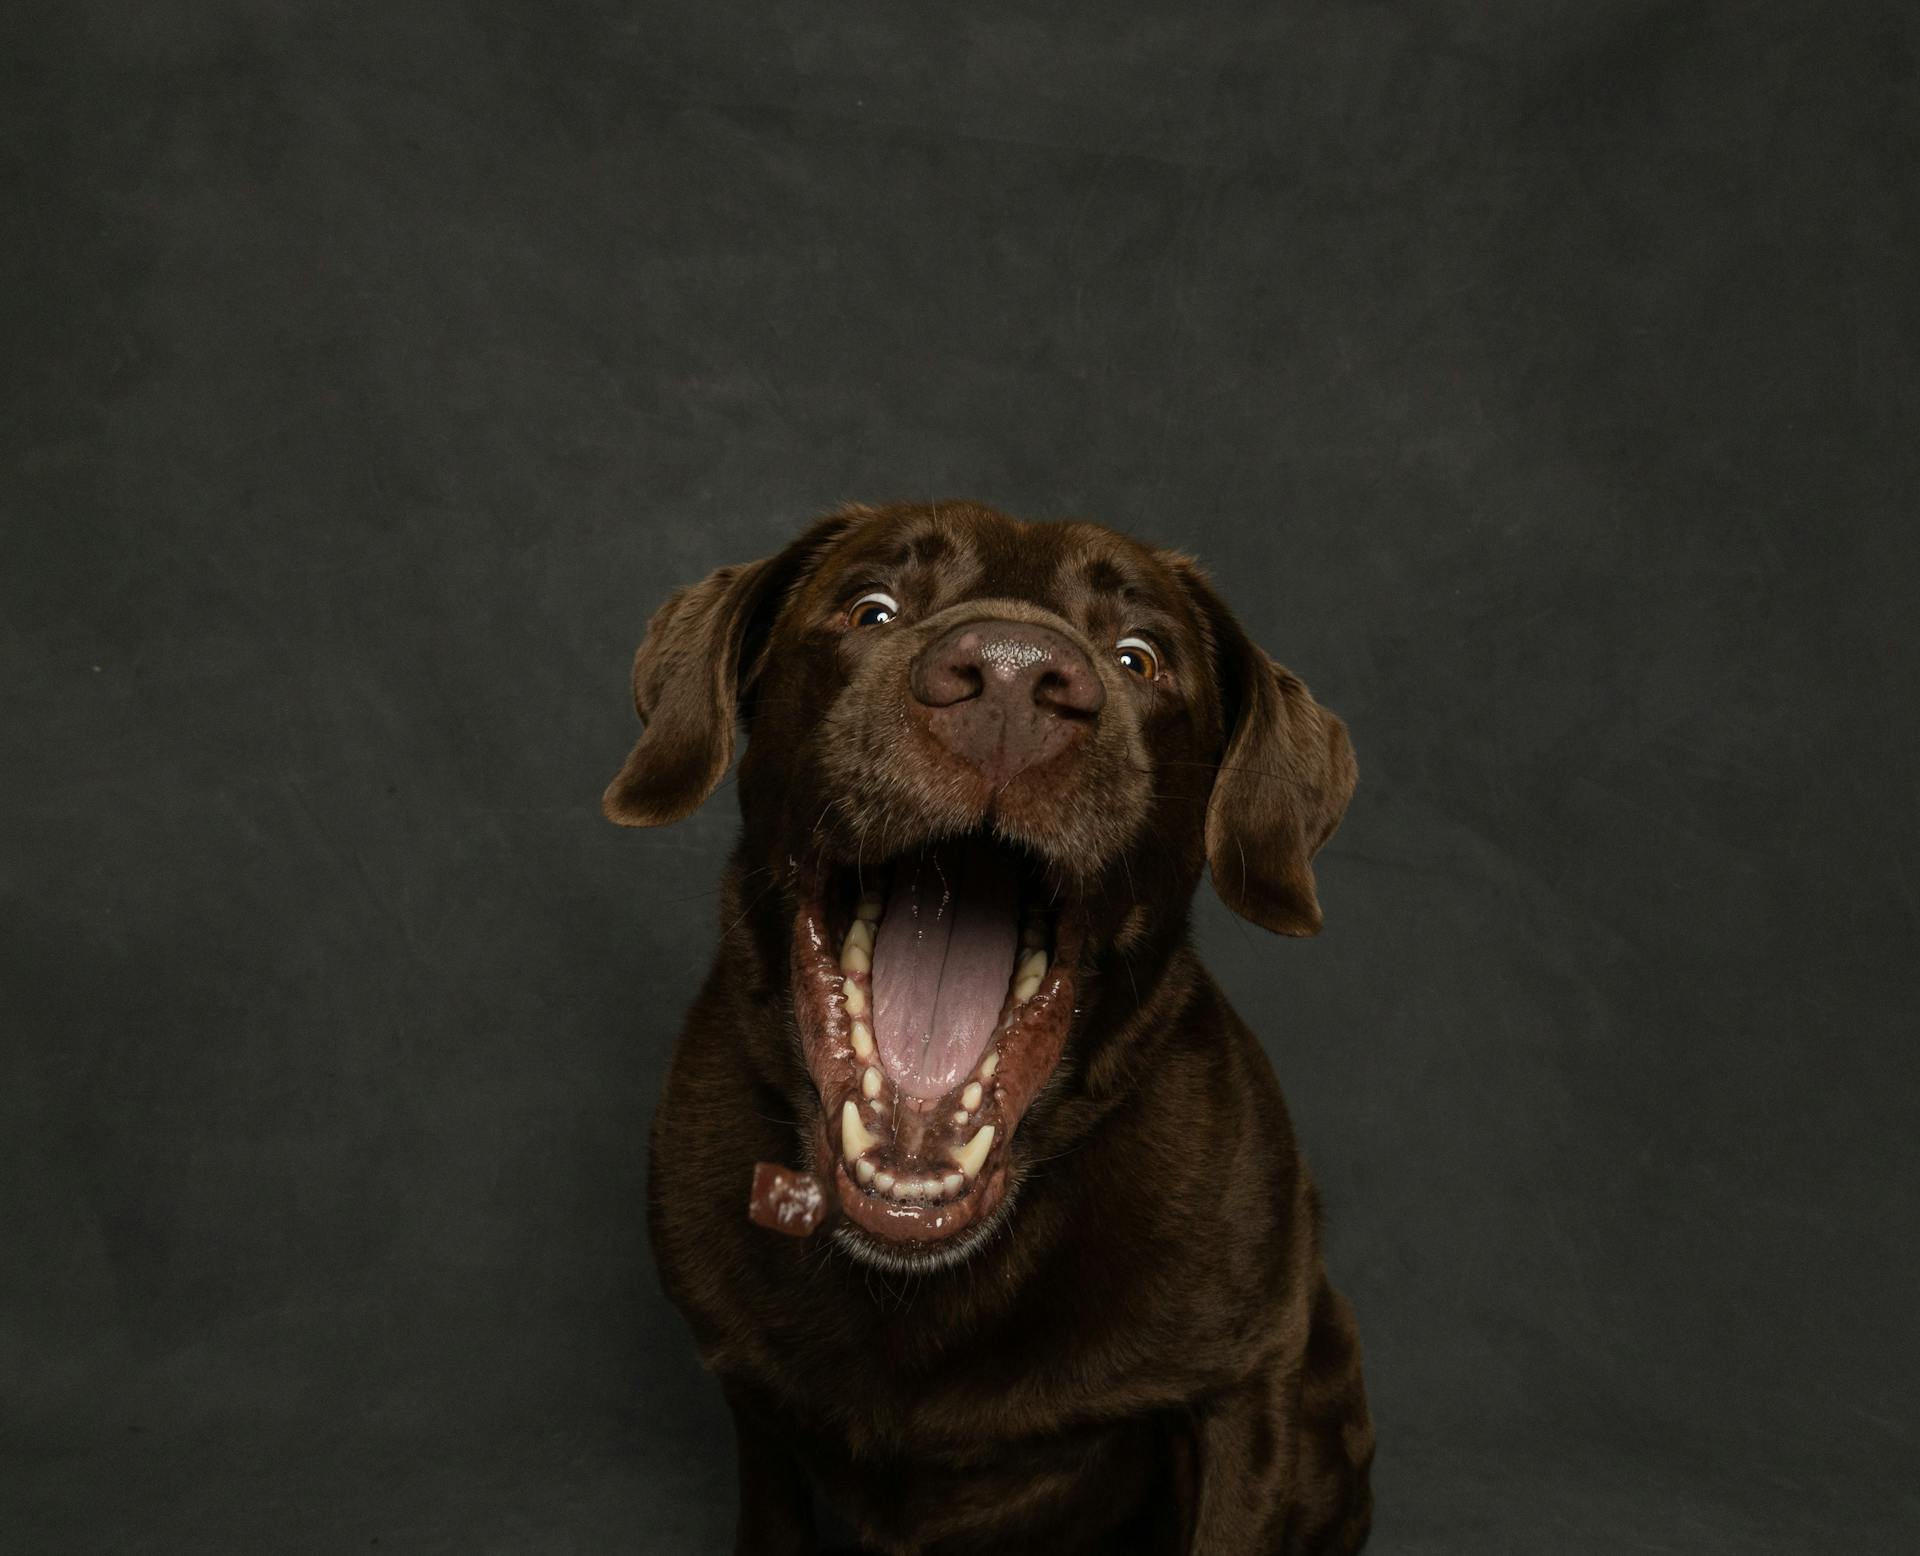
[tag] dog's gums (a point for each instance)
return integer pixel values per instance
(934, 996)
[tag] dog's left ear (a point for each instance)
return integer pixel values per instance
(700, 654)
(1284, 779)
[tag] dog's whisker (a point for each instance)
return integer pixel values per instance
(748, 909)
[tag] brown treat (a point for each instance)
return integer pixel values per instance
(790, 1202)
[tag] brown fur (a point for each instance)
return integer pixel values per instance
(1145, 1354)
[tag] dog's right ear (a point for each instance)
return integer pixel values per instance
(700, 653)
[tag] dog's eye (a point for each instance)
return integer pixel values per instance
(1138, 656)
(873, 609)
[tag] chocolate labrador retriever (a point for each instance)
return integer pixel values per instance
(1061, 1289)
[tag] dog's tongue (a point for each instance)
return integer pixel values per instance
(942, 961)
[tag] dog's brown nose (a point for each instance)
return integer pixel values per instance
(1005, 695)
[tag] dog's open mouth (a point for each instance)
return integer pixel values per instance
(934, 994)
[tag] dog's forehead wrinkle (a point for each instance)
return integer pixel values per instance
(1112, 579)
(957, 553)
(920, 545)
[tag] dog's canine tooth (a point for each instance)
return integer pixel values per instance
(856, 997)
(953, 1183)
(970, 1098)
(1026, 978)
(855, 958)
(870, 1083)
(973, 1155)
(864, 1170)
(855, 1138)
(989, 1064)
(862, 1040)
(860, 935)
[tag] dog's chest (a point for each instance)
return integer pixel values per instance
(932, 1384)
(945, 1476)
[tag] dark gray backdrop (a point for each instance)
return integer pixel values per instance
(1538, 377)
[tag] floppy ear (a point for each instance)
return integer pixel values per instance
(699, 654)
(1283, 783)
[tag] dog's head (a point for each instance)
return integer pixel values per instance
(986, 763)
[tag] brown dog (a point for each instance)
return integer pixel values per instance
(1067, 1292)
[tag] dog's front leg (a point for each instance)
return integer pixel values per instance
(1279, 1475)
(1243, 1462)
(776, 1499)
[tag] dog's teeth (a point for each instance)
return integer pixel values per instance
(855, 1138)
(854, 957)
(904, 1188)
(1033, 933)
(870, 908)
(863, 1170)
(856, 997)
(971, 1156)
(883, 1181)
(863, 1040)
(870, 1083)
(970, 1098)
(1026, 980)
(879, 1106)
(953, 1183)
(989, 1064)
(860, 935)
(960, 1117)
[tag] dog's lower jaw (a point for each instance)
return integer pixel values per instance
(930, 1256)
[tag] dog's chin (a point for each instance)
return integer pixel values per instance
(934, 992)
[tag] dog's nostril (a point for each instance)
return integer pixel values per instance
(1072, 690)
(942, 680)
